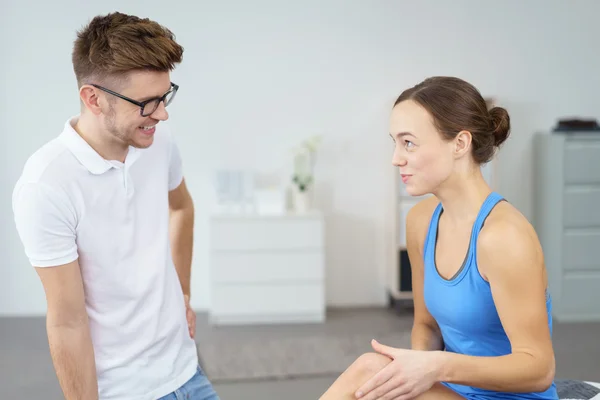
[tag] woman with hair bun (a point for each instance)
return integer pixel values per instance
(482, 323)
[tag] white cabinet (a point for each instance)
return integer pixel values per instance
(567, 220)
(267, 268)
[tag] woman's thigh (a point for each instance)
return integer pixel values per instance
(439, 391)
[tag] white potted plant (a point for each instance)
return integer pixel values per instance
(303, 175)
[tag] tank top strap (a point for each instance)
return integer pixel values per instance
(485, 210)
(432, 232)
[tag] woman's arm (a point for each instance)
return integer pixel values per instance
(510, 258)
(426, 334)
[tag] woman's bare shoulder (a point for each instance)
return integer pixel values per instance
(507, 228)
(505, 218)
(422, 211)
(418, 218)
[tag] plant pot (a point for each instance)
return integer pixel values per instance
(302, 201)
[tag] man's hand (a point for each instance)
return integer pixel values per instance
(411, 373)
(190, 316)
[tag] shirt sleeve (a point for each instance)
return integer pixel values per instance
(175, 165)
(46, 223)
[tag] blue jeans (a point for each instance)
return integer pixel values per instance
(197, 388)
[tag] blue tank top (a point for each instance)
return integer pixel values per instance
(464, 308)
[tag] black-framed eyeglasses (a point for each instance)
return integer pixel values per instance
(147, 107)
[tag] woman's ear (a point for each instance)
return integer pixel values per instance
(462, 144)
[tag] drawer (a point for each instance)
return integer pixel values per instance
(581, 250)
(269, 233)
(581, 208)
(582, 161)
(265, 299)
(262, 267)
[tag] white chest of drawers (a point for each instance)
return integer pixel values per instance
(567, 220)
(267, 269)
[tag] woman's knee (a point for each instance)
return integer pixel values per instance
(360, 371)
(368, 364)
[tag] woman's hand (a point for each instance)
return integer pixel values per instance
(410, 373)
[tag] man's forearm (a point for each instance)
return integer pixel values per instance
(424, 337)
(518, 372)
(182, 242)
(73, 358)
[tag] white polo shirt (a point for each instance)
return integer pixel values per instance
(71, 203)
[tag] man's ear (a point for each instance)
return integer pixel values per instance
(89, 96)
(462, 144)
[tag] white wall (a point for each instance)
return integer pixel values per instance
(259, 76)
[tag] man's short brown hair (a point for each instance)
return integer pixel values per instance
(114, 44)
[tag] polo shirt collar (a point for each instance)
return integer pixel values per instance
(86, 155)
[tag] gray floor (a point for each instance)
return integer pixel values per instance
(26, 368)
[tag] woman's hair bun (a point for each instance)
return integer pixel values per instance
(501, 124)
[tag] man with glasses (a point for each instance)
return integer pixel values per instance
(106, 220)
